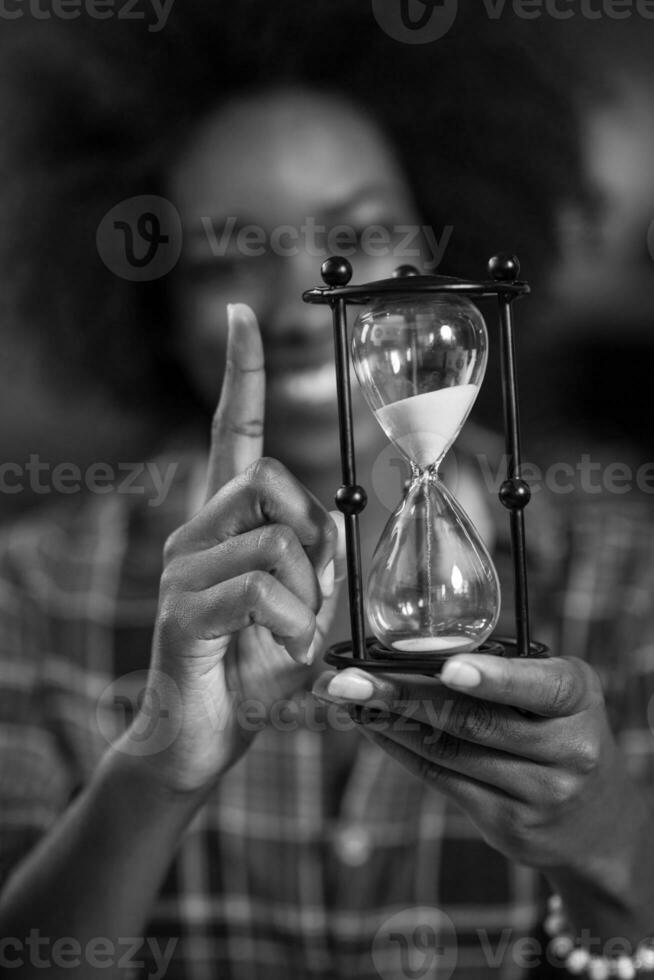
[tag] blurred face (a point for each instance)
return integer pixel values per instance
(259, 187)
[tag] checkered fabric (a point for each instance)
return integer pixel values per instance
(275, 878)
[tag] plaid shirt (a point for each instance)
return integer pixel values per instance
(277, 876)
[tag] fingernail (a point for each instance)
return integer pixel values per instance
(238, 320)
(458, 673)
(309, 656)
(351, 687)
(302, 657)
(327, 580)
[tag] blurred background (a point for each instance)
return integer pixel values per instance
(534, 136)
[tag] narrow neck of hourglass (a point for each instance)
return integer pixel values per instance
(426, 473)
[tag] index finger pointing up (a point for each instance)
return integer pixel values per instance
(237, 430)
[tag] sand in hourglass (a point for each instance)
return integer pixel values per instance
(423, 427)
(436, 644)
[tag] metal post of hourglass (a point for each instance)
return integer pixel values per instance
(514, 493)
(351, 498)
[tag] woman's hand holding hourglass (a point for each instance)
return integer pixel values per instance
(525, 747)
(247, 593)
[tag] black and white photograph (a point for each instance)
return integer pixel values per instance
(327, 489)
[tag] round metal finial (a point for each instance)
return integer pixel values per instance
(504, 267)
(515, 494)
(336, 271)
(351, 499)
(405, 270)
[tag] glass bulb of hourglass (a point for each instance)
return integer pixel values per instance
(432, 586)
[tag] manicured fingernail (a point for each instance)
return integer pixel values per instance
(351, 687)
(309, 656)
(302, 657)
(327, 580)
(458, 673)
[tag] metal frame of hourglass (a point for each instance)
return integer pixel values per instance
(351, 499)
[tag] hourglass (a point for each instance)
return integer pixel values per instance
(419, 350)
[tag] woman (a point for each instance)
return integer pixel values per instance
(292, 852)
